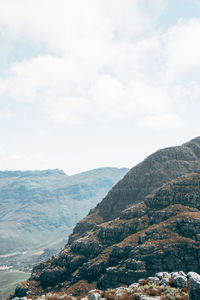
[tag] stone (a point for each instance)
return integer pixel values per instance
(164, 281)
(179, 279)
(194, 286)
(21, 290)
(162, 275)
(95, 296)
(153, 280)
(149, 298)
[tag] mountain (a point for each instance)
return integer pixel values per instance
(148, 222)
(153, 172)
(38, 204)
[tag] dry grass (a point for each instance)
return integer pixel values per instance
(154, 292)
(81, 288)
(144, 282)
(57, 297)
(110, 294)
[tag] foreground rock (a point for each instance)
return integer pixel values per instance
(194, 286)
(145, 289)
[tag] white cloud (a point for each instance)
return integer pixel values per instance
(5, 114)
(105, 60)
(161, 122)
(112, 99)
(67, 25)
(183, 47)
(43, 133)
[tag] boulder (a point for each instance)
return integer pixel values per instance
(194, 286)
(179, 279)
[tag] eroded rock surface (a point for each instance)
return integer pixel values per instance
(117, 245)
(124, 250)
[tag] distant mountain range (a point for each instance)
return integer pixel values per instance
(38, 209)
(149, 222)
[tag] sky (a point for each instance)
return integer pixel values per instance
(94, 83)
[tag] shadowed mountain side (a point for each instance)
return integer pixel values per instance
(155, 170)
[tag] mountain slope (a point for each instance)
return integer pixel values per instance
(162, 233)
(155, 170)
(120, 242)
(47, 203)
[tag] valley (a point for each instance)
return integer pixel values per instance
(9, 279)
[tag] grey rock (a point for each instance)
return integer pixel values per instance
(162, 275)
(95, 296)
(153, 280)
(120, 289)
(194, 286)
(180, 281)
(164, 281)
(133, 286)
(149, 298)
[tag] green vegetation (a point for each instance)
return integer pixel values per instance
(9, 280)
(47, 203)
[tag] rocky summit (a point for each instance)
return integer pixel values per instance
(148, 223)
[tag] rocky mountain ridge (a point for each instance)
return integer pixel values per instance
(157, 169)
(133, 240)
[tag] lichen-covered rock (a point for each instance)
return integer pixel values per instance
(194, 286)
(179, 279)
(94, 296)
(149, 298)
(21, 290)
(153, 279)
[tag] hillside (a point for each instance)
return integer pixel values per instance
(47, 203)
(137, 230)
(153, 172)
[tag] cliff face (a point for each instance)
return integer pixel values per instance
(159, 232)
(141, 180)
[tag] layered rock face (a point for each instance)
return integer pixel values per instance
(159, 231)
(157, 169)
(162, 286)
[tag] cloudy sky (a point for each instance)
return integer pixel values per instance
(94, 83)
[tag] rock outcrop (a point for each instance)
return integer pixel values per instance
(163, 286)
(160, 233)
(159, 230)
(157, 169)
(194, 286)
